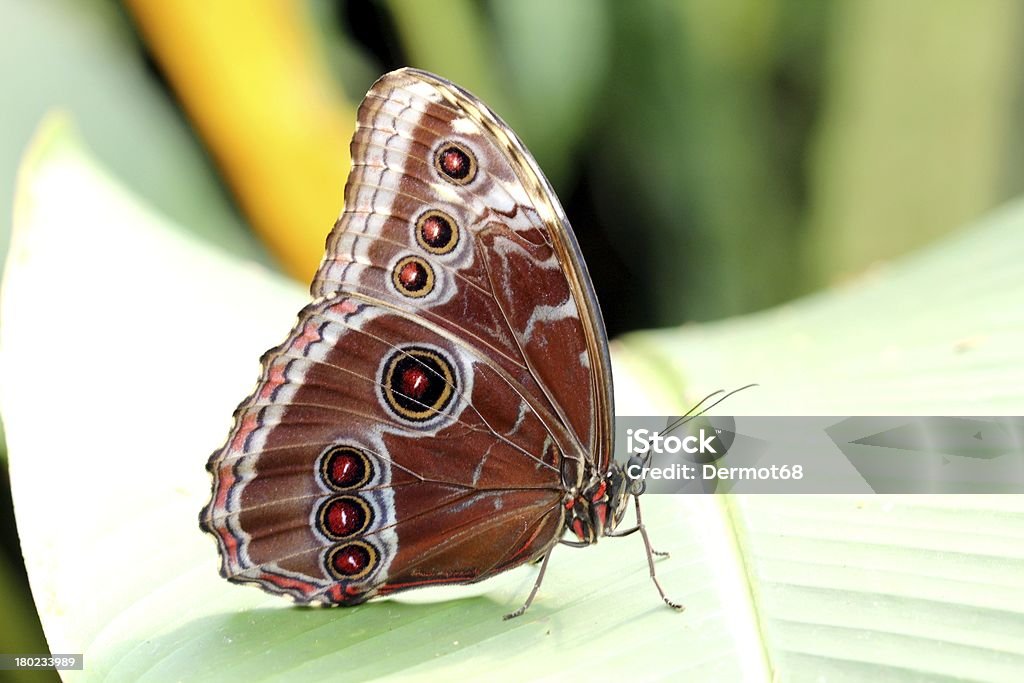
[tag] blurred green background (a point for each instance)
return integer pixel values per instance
(715, 157)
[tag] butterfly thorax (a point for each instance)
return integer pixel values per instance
(599, 506)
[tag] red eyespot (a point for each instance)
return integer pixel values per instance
(413, 277)
(345, 467)
(418, 383)
(344, 516)
(351, 561)
(455, 163)
(437, 232)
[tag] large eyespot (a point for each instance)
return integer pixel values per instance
(352, 560)
(455, 163)
(437, 232)
(413, 277)
(344, 468)
(418, 383)
(342, 517)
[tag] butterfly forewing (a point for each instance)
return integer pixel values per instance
(424, 418)
(512, 281)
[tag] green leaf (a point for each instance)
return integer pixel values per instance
(119, 368)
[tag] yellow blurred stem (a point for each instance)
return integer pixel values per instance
(251, 80)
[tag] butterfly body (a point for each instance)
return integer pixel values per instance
(442, 410)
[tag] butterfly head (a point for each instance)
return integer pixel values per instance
(599, 508)
(620, 487)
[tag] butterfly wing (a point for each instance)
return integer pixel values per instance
(510, 276)
(422, 421)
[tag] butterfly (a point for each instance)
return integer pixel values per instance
(442, 411)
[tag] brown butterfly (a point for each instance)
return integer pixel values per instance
(442, 410)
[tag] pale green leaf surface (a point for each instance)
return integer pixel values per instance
(125, 346)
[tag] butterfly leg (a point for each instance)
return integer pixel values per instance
(633, 530)
(626, 532)
(536, 586)
(651, 552)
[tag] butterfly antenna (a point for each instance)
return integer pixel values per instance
(688, 417)
(679, 420)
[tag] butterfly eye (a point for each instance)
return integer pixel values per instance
(437, 232)
(352, 560)
(418, 383)
(413, 277)
(635, 466)
(345, 468)
(455, 163)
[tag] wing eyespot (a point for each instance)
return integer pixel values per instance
(342, 517)
(345, 468)
(351, 561)
(455, 163)
(413, 277)
(437, 232)
(418, 383)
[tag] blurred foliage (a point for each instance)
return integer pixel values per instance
(83, 57)
(920, 130)
(716, 158)
(277, 127)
